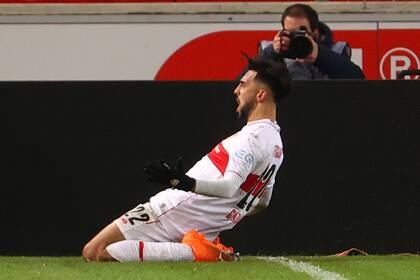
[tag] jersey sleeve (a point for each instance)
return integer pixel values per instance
(244, 157)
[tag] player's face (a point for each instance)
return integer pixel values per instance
(246, 93)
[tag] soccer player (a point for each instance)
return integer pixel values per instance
(235, 179)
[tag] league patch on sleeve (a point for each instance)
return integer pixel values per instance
(244, 156)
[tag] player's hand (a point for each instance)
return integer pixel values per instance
(162, 173)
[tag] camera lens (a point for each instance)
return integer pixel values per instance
(300, 46)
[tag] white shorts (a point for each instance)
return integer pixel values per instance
(141, 223)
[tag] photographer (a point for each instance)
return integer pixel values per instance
(307, 47)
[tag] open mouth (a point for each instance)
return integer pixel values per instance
(239, 103)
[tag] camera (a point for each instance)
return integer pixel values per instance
(300, 46)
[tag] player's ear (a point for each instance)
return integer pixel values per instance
(262, 95)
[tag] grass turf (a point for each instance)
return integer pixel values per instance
(75, 268)
(353, 268)
(389, 267)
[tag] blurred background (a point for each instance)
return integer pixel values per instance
(91, 90)
(149, 40)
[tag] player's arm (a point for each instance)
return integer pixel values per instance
(240, 165)
(223, 187)
(161, 172)
(263, 202)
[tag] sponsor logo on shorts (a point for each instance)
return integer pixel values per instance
(234, 216)
(163, 207)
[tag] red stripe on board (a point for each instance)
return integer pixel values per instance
(133, 1)
(80, 1)
(220, 158)
(141, 248)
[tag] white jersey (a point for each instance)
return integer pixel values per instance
(254, 154)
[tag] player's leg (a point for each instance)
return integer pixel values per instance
(135, 251)
(95, 249)
(194, 246)
(146, 239)
(139, 235)
(136, 236)
(131, 225)
(110, 245)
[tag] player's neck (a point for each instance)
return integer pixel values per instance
(263, 112)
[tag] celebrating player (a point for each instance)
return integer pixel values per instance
(235, 179)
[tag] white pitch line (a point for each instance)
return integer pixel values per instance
(312, 270)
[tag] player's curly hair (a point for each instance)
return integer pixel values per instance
(274, 74)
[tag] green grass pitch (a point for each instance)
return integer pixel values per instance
(351, 267)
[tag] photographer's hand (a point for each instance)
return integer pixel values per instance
(281, 41)
(313, 55)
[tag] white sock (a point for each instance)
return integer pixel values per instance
(124, 251)
(132, 250)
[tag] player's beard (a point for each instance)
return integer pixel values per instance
(245, 111)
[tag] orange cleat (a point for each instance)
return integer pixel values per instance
(206, 251)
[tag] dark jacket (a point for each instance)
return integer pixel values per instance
(333, 61)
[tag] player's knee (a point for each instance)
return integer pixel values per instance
(89, 253)
(95, 254)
